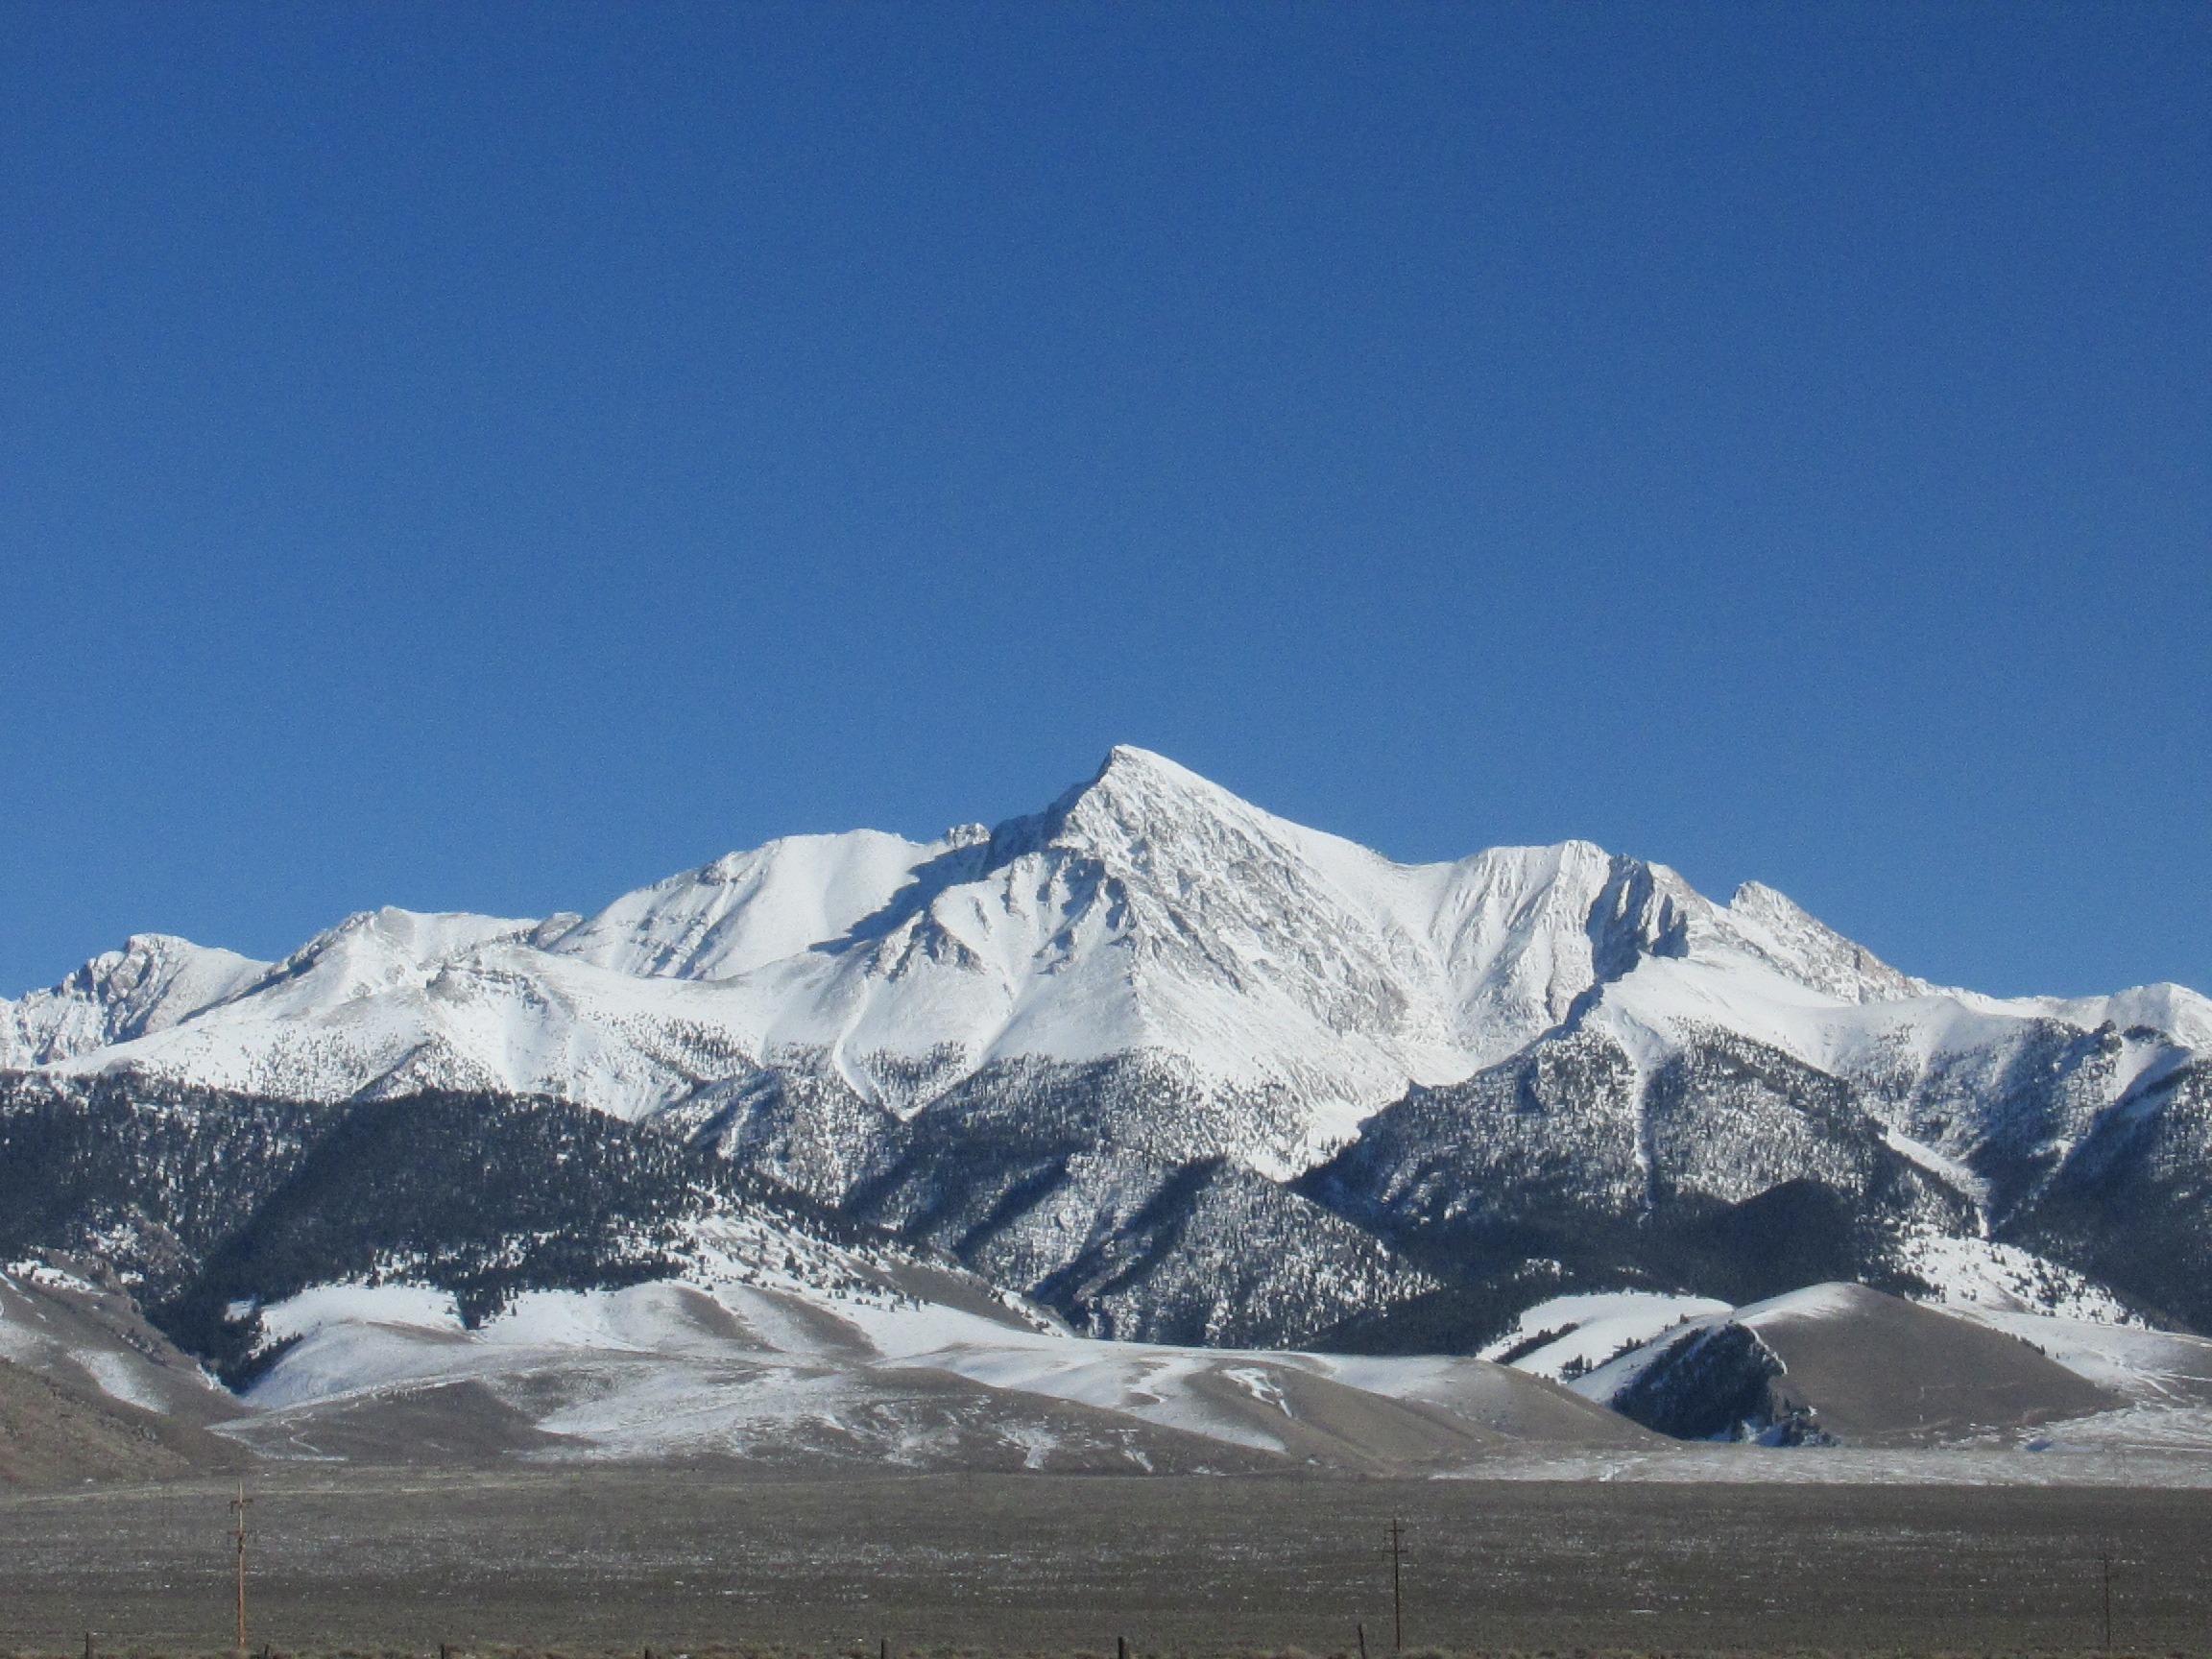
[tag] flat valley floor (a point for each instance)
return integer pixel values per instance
(615, 1560)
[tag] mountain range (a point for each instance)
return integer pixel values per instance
(1157, 1065)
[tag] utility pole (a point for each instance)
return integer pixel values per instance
(1398, 1588)
(2108, 1559)
(238, 1535)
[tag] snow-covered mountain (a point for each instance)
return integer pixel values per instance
(149, 986)
(1188, 1071)
(1146, 911)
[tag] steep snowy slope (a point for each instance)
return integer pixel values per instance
(1146, 912)
(152, 983)
(749, 909)
(1993, 1097)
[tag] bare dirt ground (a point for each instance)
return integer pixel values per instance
(687, 1561)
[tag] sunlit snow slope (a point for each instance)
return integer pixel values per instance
(1145, 911)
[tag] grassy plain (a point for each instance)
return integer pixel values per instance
(707, 1560)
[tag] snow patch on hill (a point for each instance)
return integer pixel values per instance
(1565, 1337)
(1966, 1274)
(735, 1360)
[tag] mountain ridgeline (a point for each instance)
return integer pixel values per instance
(1172, 1067)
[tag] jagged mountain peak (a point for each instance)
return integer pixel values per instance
(1130, 769)
(1808, 950)
(1134, 800)
(146, 963)
(1146, 816)
(1127, 761)
(390, 945)
(1140, 797)
(152, 983)
(1150, 908)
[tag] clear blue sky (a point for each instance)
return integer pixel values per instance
(490, 457)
